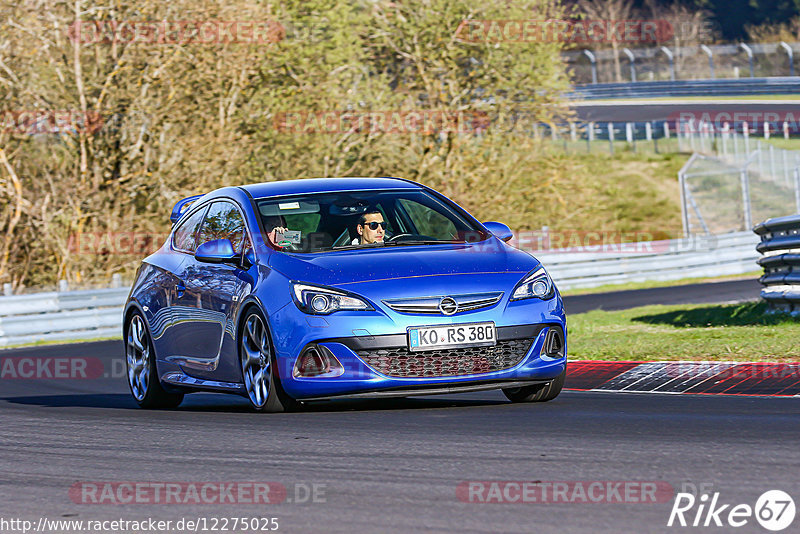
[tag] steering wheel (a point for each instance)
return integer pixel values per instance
(398, 236)
(410, 237)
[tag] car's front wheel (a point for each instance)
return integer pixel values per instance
(141, 365)
(537, 392)
(258, 367)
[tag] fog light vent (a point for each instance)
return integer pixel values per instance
(317, 361)
(554, 344)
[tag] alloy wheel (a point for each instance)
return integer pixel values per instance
(256, 360)
(137, 350)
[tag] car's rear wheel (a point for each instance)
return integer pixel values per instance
(537, 392)
(258, 365)
(141, 365)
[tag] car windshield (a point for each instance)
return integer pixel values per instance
(322, 222)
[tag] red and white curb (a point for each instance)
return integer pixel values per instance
(703, 378)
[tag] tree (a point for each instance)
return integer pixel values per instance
(184, 117)
(609, 10)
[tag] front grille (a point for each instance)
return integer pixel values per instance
(401, 363)
(433, 305)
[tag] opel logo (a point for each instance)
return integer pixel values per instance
(448, 306)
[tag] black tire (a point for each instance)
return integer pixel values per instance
(272, 398)
(140, 358)
(537, 392)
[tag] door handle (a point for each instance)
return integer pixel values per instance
(180, 289)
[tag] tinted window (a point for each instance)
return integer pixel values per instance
(306, 223)
(326, 221)
(184, 236)
(223, 221)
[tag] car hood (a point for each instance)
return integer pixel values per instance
(423, 267)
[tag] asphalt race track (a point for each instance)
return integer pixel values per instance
(707, 293)
(393, 466)
(386, 466)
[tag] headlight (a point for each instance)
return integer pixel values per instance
(536, 285)
(318, 300)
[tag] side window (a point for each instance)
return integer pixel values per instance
(429, 222)
(185, 234)
(223, 221)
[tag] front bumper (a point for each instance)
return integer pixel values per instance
(381, 365)
(410, 391)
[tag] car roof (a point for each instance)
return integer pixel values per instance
(325, 185)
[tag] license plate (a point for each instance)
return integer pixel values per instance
(451, 336)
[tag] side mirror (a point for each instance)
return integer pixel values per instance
(499, 230)
(248, 258)
(216, 251)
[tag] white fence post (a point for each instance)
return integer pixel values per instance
(611, 136)
(746, 133)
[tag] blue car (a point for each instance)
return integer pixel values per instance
(305, 290)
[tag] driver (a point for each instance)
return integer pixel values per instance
(371, 228)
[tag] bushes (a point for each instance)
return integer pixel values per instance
(182, 119)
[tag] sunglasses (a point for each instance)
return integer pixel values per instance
(374, 225)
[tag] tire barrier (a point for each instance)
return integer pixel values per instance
(780, 247)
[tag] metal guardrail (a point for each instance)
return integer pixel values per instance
(740, 87)
(74, 315)
(722, 61)
(780, 246)
(61, 316)
(694, 257)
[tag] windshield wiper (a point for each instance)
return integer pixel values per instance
(419, 242)
(352, 247)
(394, 244)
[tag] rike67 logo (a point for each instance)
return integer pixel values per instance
(774, 510)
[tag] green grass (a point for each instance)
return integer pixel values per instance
(578, 192)
(779, 142)
(642, 147)
(659, 283)
(736, 332)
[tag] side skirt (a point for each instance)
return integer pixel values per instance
(177, 378)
